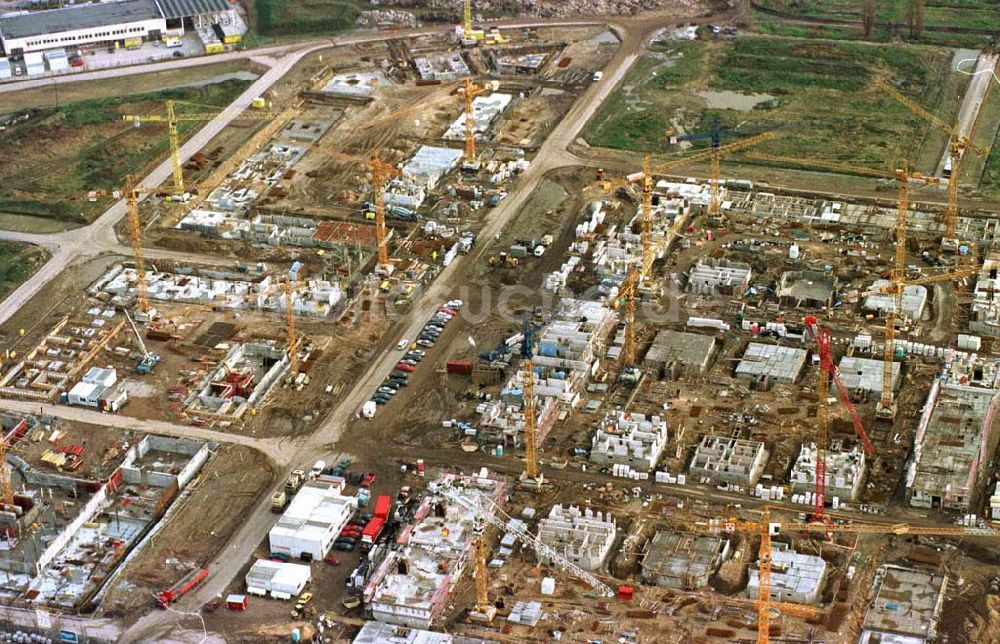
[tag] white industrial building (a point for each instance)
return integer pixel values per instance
(97, 389)
(313, 520)
(629, 439)
(281, 580)
(584, 537)
(845, 471)
(795, 577)
(83, 24)
(107, 23)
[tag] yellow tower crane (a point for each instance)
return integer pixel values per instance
(897, 275)
(6, 487)
(767, 529)
(483, 611)
(886, 407)
(172, 118)
(135, 227)
(292, 337)
(650, 250)
(957, 146)
(381, 173)
(467, 21)
(471, 91)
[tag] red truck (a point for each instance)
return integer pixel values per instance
(372, 531)
(178, 590)
(382, 506)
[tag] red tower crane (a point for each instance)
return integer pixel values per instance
(828, 371)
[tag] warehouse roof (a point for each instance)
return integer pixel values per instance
(187, 8)
(77, 17)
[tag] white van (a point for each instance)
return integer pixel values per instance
(317, 469)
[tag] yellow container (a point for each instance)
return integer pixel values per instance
(214, 48)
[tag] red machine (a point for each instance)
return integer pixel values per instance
(178, 590)
(382, 506)
(826, 368)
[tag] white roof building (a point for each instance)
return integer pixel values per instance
(282, 580)
(313, 519)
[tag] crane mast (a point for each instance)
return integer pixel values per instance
(292, 339)
(647, 219)
(135, 227)
(957, 146)
(495, 516)
(471, 91)
(381, 172)
(467, 21)
(6, 487)
(173, 119)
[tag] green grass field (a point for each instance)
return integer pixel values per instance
(277, 18)
(50, 162)
(818, 93)
(939, 16)
(17, 263)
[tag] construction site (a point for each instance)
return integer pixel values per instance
(484, 330)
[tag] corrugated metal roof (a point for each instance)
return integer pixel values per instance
(188, 8)
(75, 17)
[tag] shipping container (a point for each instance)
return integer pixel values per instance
(459, 367)
(382, 506)
(372, 531)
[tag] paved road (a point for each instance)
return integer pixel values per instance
(99, 237)
(552, 154)
(972, 102)
(148, 68)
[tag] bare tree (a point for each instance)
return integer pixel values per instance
(868, 16)
(915, 18)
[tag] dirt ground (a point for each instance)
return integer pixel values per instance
(104, 447)
(225, 490)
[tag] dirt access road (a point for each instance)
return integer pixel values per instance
(634, 35)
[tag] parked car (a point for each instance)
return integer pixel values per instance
(332, 560)
(389, 391)
(391, 384)
(212, 605)
(380, 400)
(417, 352)
(346, 539)
(368, 480)
(402, 344)
(404, 367)
(414, 356)
(425, 343)
(409, 361)
(396, 373)
(344, 547)
(450, 311)
(401, 382)
(454, 304)
(279, 556)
